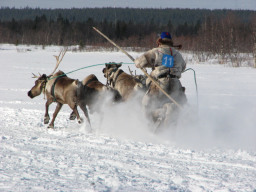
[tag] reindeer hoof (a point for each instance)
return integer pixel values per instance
(50, 126)
(72, 116)
(80, 121)
(46, 119)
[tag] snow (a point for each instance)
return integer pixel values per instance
(212, 148)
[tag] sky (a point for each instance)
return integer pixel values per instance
(192, 4)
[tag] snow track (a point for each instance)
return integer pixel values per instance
(34, 158)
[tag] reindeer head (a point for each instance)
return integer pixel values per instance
(110, 68)
(41, 81)
(39, 86)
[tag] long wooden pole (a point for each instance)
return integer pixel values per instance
(143, 70)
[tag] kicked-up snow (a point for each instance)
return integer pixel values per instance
(212, 148)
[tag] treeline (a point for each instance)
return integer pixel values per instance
(159, 16)
(62, 31)
(223, 32)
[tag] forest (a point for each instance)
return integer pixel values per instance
(224, 32)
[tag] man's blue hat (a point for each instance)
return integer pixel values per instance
(165, 35)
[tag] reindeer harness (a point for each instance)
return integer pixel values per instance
(53, 86)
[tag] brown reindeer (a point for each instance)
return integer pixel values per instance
(124, 83)
(60, 89)
(92, 93)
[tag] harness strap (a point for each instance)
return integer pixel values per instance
(169, 75)
(110, 80)
(115, 79)
(53, 86)
(171, 51)
(44, 86)
(169, 68)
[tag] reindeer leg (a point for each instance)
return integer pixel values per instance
(46, 115)
(75, 111)
(58, 107)
(84, 109)
(72, 116)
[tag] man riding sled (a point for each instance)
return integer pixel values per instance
(167, 65)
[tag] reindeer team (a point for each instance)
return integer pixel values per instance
(88, 93)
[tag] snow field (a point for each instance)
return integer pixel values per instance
(212, 148)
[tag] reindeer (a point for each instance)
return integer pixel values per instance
(124, 83)
(92, 92)
(60, 89)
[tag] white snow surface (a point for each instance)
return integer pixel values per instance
(211, 149)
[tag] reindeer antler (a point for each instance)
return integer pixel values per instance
(35, 76)
(59, 59)
(130, 71)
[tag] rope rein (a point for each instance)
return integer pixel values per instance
(195, 83)
(95, 65)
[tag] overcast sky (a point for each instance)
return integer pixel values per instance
(209, 4)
